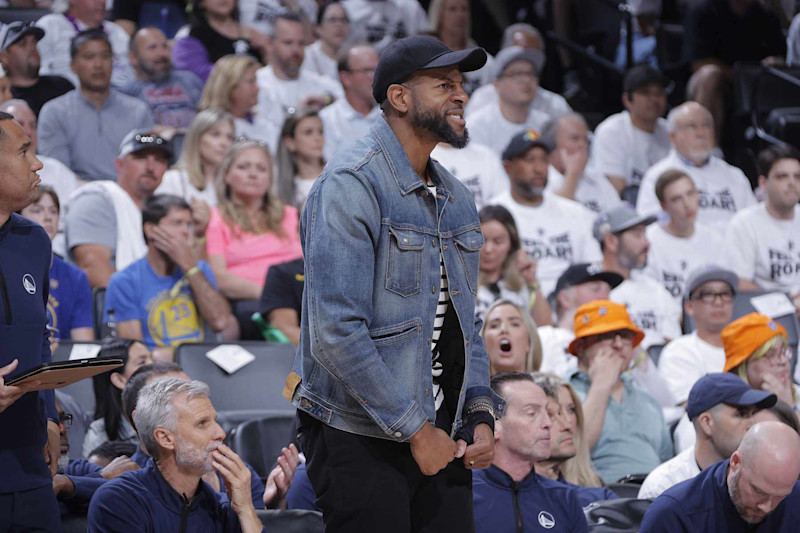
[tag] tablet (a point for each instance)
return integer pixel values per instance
(62, 373)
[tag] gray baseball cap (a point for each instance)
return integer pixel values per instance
(513, 53)
(707, 273)
(622, 217)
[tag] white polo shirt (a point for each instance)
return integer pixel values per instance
(723, 188)
(341, 125)
(764, 249)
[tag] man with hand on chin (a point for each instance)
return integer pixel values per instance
(177, 426)
(28, 422)
(391, 379)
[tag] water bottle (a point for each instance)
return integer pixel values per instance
(111, 324)
(270, 333)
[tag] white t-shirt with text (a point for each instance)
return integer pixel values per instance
(594, 191)
(477, 167)
(650, 307)
(489, 127)
(687, 359)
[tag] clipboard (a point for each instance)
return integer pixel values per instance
(63, 373)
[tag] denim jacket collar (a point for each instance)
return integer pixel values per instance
(404, 174)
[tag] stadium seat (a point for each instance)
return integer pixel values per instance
(13, 14)
(253, 391)
(259, 442)
(624, 514)
(625, 490)
(292, 521)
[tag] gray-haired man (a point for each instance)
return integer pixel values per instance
(177, 426)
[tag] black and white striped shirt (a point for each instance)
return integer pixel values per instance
(441, 310)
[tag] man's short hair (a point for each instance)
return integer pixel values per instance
(155, 407)
(321, 11)
(4, 116)
(667, 178)
(501, 379)
(771, 155)
(132, 42)
(92, 34)
(158, 206)
(286, 15)
(508, 34)
(137, 381)
(343, 57)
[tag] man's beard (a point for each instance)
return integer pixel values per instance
(733, 491)
(190, 457)
(437, 125)
(154, 73)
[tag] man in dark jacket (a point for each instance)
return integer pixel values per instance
(28, 420)
(510, 495)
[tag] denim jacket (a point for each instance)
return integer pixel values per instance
(371, 234)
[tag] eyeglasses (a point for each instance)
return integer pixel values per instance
(777, 354)
(520, 76)
(626, 335)
(710, 297)
(65, 419)
(336, 20)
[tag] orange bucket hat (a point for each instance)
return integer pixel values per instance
(747, 334)
(602, 316)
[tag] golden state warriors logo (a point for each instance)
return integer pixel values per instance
(52, 306)
(174, 321)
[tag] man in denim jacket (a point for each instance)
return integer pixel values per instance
(391, 379)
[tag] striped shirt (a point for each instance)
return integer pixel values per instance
(441, 310)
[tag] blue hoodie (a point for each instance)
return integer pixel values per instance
(24, 274)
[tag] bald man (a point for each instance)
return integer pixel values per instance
(755, 490)
(723, 188)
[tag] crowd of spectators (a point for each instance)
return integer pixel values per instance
(179, 141)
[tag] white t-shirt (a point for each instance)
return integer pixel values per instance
(680, 468)
(317, 62)
(671, 259)
(341, 125)
(546, 101)
(621, 149)
(276, 96)
(489, 127)
(477, 167)
(176, 181)
(556, 233)
(723, 189)
(54, 48)
(764, 249)
(650, 307)
(380, 22)
(594, 190)
(555, 357)
(685, 360)
(260, 14)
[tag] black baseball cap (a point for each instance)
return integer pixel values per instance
(402, 58)
(15, 31)
(583, 273)
(727, 388)
(138, 140)
(642, 75)
(524, 141)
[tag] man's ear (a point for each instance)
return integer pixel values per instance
(147, 228)
(165, 439)
(498, 430)
(762, 181)
(398, 97)
(705, 422)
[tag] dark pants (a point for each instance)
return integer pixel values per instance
(31, 510)
(365, 484)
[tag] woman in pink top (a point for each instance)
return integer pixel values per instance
(250, 229)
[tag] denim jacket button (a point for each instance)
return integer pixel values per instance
(433, 289)
(427, 392)
(433, 243)
(398, 434)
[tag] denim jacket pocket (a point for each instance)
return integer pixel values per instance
(404, 264)
(469, 245)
